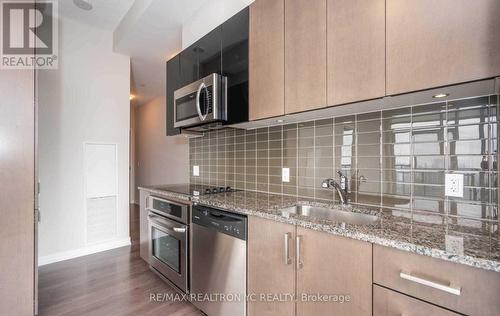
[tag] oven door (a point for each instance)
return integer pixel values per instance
(168, 241)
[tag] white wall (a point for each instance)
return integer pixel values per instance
(160, 159)
(85, 100)
(208, 17)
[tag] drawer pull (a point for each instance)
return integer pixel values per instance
(435, 285)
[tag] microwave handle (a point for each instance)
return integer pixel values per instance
(198, 109)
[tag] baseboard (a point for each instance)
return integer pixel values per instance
(70, 254)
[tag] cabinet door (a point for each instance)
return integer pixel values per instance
(333, 265)
(267, 59)
(208, 49)
(305, 55)
(356, 50)
(268, 273)
(436, 43)
(188, 63)
(173, 83)
(235, 64)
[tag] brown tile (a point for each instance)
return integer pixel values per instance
(275, 188)
(423, 149)
(305, 192)
(323, 130)
(396, 149)
(289, 189)
(369, 126)
(369, 150)
(429, 108)
(275, 180)
(396, 189)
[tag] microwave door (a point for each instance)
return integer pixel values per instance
(185, 110)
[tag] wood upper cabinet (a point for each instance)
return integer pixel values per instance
(305, 55)
(356, 50)
(337, 266)
(436, 43)
(268, 273)
(266, 59)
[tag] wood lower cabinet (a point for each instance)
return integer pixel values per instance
(268, 272)
(390, 303)
(457, 287)
(356, 50)
(305, 55)
(267, 59)
(333, 265)
(315, 263)
(437, 43)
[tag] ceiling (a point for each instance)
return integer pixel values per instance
(105, 14)
(150, 32)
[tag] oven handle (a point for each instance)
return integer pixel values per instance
(168, 226)
(198, 109)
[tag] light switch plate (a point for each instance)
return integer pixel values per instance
(454, 244)
(196, 171)
(285, 175)
(454, 184)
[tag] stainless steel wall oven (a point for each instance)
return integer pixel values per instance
(169, 240)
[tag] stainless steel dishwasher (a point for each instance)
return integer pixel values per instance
(218, 261)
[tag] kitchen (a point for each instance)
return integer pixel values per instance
(294, 157)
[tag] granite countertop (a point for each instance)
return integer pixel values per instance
(420, 233)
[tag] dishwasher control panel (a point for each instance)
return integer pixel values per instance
(224, 222)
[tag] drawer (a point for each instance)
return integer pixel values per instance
(455, 286)
(391, 303)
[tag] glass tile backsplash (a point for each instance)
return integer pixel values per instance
(395, 159)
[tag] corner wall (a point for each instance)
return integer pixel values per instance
(85, 100)
(160, 159)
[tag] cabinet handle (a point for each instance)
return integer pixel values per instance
(434, 285)
(288, 260)
(300, 265)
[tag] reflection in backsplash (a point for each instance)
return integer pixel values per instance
(395, 159)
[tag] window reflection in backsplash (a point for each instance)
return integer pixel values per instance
(395, 159)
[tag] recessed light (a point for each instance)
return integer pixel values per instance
(279, 121)
(440, 95)
(83, 4)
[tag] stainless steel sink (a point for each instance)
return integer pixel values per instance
(335, 215)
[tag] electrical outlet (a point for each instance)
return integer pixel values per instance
(196, 171)
(285, 175)
(454, 244)
(454, 185)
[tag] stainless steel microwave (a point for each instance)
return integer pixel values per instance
(201, 102)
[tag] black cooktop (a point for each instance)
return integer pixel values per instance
(194, 189)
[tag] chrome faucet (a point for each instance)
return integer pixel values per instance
(340, 188)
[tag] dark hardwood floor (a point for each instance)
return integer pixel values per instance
(115, 282)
